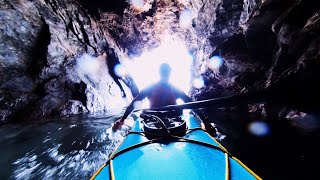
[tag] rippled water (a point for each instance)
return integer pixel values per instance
(68, 148)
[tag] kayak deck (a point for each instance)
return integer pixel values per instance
(193, 155)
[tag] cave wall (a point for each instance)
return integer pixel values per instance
(268, 44)
(41, 43)
(212, 22)
(281, 40)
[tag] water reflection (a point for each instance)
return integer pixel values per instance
(70, 148)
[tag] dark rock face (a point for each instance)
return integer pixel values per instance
(291, 73)
(95, 7)
(269, 45)
(269, 51)
(40, 44)
(17, 39)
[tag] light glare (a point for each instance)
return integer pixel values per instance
(88, 64)
(215, 62)
(119, 70)
(198, 82)
(145, 69)
(185, 19)
(137, 3)
(259, 128)
(179, 101)
(137, 104)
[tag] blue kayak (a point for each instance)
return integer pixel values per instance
(163, 147)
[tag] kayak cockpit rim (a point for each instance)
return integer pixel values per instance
(173, 138)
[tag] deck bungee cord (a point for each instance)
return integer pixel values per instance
(169, 137)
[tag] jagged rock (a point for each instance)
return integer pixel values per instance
(23, 84)
(73, 107)
(40, 42)
(4, 114)
(14, 103)
(49, 48)
(17, 38)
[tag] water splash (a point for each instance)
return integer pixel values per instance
(75, 151)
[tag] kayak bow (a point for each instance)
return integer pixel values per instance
(182, 150)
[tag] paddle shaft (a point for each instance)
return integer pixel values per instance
(234, 100)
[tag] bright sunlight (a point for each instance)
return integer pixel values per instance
(145, 69)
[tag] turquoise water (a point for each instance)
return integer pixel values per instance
(66, 148)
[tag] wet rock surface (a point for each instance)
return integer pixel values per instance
(40, 44)
(260, 43)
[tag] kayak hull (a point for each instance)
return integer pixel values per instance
(193, 155)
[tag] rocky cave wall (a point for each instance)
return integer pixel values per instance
(265, 45)
(269, 44)
(42, 43)
(280, 43)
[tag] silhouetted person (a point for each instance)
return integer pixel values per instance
(112, 62)
(160, 94)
